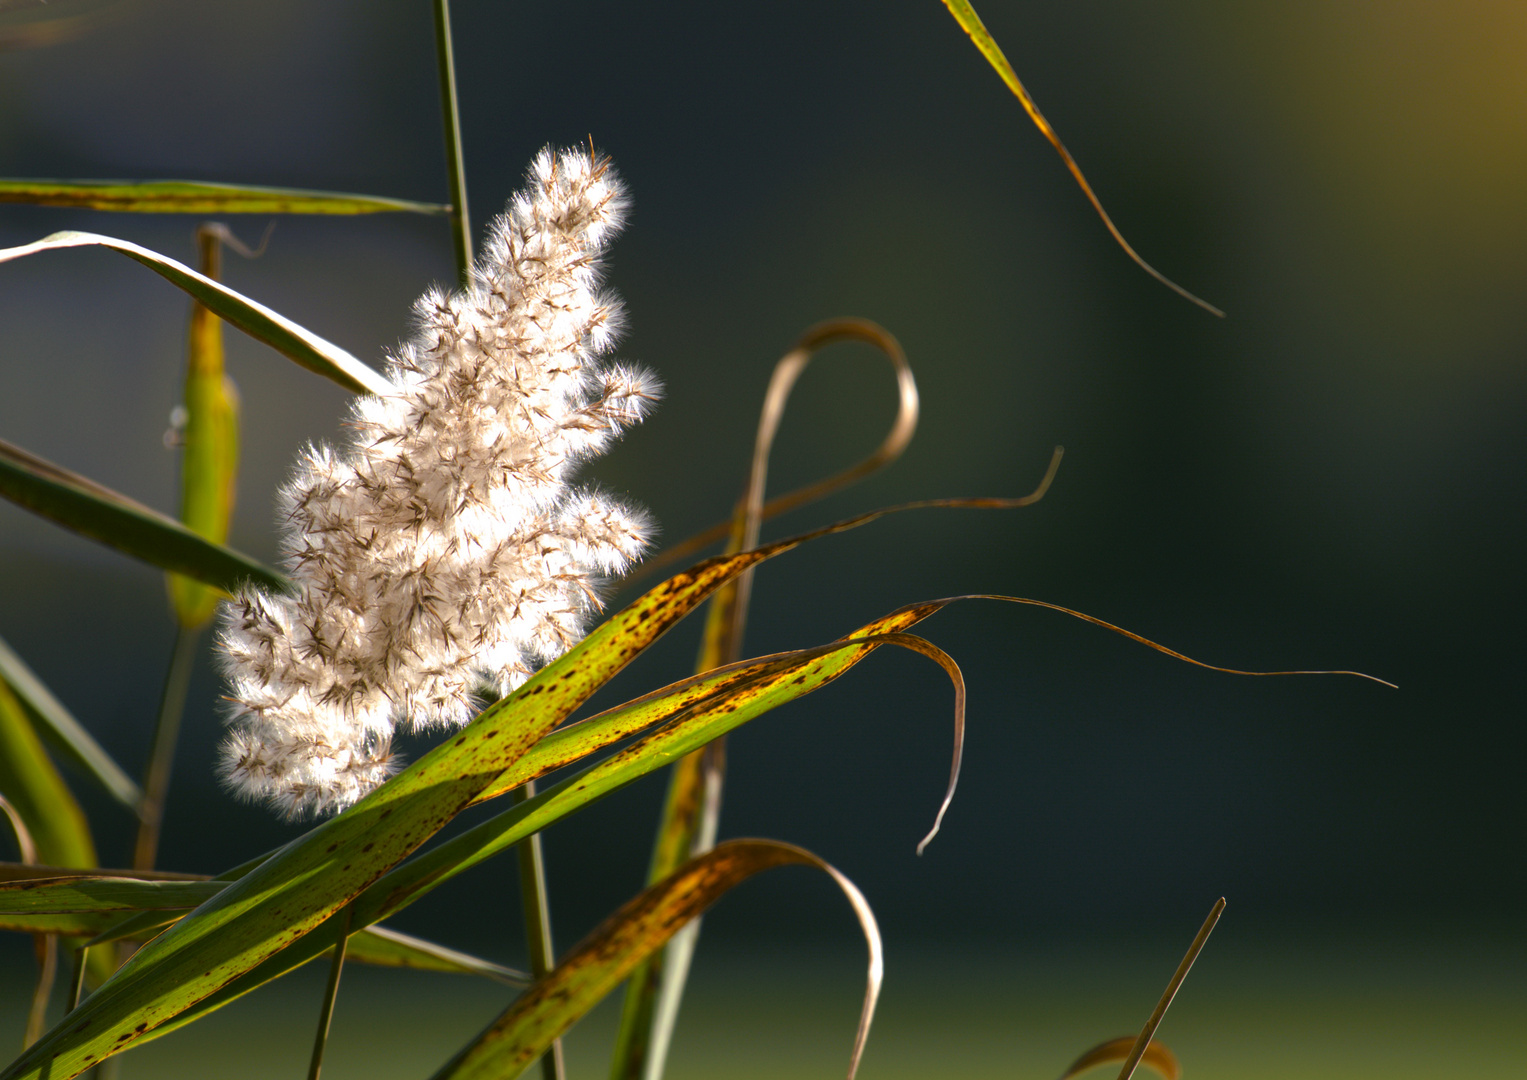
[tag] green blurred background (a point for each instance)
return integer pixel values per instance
(1330, 477)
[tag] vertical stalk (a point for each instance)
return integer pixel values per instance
(1148, 1032)
(156, 778)
(47, 966)
(326, 1014)
(77, 979)
(537, 922)
(461, 233)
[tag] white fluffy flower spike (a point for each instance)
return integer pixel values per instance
(443, 550)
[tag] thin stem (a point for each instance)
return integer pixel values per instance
(537, 922)
(47, 968)
(156, 778)
(461, 235)
(77, 979)
(1149, 1031)
(326, 1014)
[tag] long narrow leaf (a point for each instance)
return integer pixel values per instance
(294, 892)
(971, 23)
(195, 197)
(209, 447)
(82, 924)
(379, 946)
(382, 946)
(699, 713)
(692, 806)
(786, 372)
(598, 964)
(87, 508)
(100, 894)
(258, 321)
(14, 872)
(751, 690)
(66, 735)
(39, 796)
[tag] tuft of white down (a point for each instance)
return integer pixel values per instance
(443, 551)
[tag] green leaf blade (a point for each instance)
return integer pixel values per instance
(209, 450)
(602, 960)
(195, 197)
(38, 793)
(407, 883)
(295, 342)
(102, 895)
(88, 508)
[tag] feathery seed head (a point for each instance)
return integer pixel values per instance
(443, 551)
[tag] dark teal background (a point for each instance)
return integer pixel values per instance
(1331, 477)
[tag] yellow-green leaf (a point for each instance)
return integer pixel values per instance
(193, 197)
(209, 448)
(258, 321)
(294, 892)
(601, 961)
(707, 706)
(28, 779)
(290, 895)
(88, 508)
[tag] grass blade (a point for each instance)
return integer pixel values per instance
(378, 946)
(96, 894)
(971, 23)
(691, 809)
(701, 709)
(195, 197)
(209, 448)
(602, 960)
(1156, 1057)
(62, 731)
(52, 818)
(75, 924)
(445, 67)
(292, 893)
(45, 945)
(331, 992)
(786, 372)
(382, 946)
(1148, 1032)
(537, 917)
(768, 682)
(10, 872)
(85, 507)
(258, 321)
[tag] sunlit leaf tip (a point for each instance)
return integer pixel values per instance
(295, 342)
(966, 16)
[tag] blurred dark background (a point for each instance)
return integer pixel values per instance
(1331, 477)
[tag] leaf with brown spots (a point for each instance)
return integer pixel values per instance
(602, 960)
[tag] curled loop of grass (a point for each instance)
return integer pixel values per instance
(786, 372)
